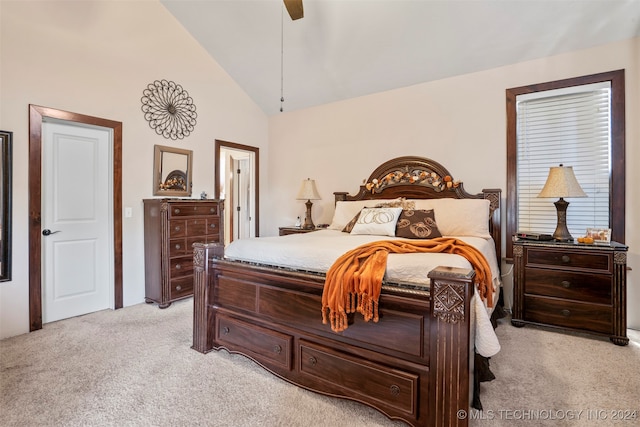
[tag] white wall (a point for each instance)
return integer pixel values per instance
(96, 58)
(459, 122)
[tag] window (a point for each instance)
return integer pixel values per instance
(576, 122)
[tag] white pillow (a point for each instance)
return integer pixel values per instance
(377, 221)
(459, 217)
(346, 210)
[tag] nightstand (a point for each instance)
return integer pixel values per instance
(573, 286)
(294, 230)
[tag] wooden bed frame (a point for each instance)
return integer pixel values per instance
(415, 364)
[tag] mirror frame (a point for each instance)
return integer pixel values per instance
(158, 157)
(6, 139)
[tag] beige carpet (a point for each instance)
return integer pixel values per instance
(134, 367)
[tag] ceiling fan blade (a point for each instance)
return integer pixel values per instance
(294, 7)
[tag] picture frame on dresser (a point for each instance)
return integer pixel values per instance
(172, 171)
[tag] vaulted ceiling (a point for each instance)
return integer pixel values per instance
(342, 49)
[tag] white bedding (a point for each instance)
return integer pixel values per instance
(317, 251)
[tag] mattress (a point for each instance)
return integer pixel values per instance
(316, 252)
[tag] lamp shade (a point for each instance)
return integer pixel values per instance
(308, 190)
(561, 182)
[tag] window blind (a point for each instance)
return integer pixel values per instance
(572, 127)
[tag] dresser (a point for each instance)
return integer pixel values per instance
(572, 286)
(171, 227)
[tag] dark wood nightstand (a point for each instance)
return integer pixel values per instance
(294, 230)
(581, 287)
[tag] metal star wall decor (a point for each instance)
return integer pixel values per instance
(169, 109)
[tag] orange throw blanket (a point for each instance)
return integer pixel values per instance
(354, 281)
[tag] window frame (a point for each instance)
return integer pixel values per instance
(617, 177)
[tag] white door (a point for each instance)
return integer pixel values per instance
(242, 190)
(77, 224)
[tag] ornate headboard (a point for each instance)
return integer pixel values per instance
(421, 178)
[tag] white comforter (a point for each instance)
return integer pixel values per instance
(317, 251)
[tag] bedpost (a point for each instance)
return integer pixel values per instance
(202, 325)
(451, 291)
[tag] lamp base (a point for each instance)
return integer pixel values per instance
(308, 223)
(562, 232)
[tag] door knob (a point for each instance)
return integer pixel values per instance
(47, 232)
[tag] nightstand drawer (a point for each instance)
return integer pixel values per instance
(566, 259)
(586, 287)
(568, 314)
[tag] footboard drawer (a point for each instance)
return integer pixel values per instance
(262, 344)
(360, 379)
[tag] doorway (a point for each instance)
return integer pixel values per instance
(237, 182)
(39, 119)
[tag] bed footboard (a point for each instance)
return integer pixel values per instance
(413, 365)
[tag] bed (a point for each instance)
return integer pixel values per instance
(263, 297)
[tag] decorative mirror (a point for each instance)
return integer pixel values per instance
(5, 208)
(171, 171)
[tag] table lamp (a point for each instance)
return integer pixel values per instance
(562, 183)
(308, 192)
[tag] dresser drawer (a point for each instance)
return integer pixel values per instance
(181, 287)
(585, 287)
(177, 228)
(361, 379)
(181, 266)
(196, 227)
(569, 259)
(178, 247)
(213, 225)
(568, 314)
(192, 209)
(264, 345)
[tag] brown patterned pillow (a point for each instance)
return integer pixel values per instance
(347, 228)
(417, 224)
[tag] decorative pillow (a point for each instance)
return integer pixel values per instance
(400, 202)
(377, 221)
(417, 224)
(347, 228)
(346, 210)
(459, 217)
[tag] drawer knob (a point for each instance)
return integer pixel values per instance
(566, 313)
(565, 284)
(178, 245)
(213, 226)
(225, 330)
(566, 258)
(313, 361)
(395, 390)
(178, 266)
(277, 349)
(212, 210)
(177, 228)
(178, 288)
(176, 210)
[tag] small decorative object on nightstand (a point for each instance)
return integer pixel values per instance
(581, 287)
